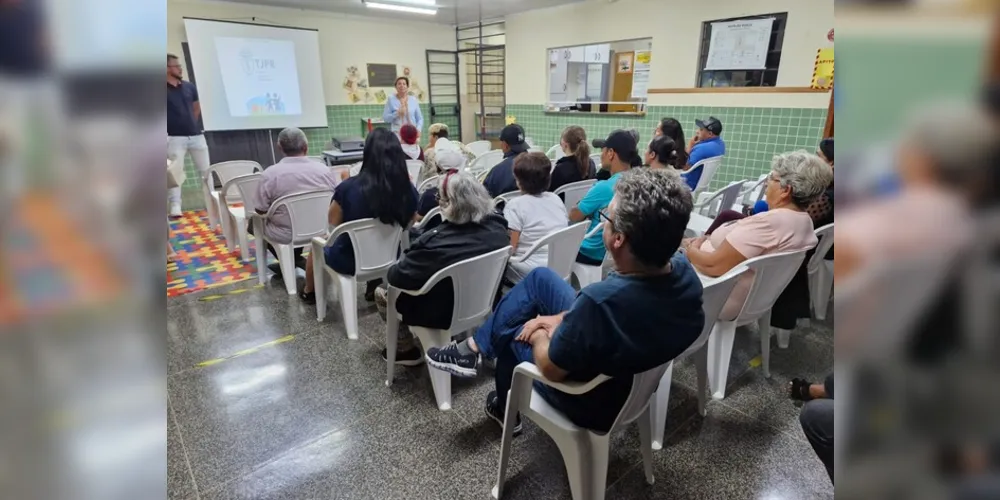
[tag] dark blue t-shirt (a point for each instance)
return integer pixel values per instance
(501, 180)
(180, 112)
(348, 194)
(619, 327)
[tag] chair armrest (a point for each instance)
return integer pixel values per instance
(526, 369)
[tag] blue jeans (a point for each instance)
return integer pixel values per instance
(541, 292)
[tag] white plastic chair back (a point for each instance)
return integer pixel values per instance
(431, 215)
(413, 170)
(308, 214)
(771, 274)
(505, 198)
(485, 162)
(375, 244)
(713, 203)
(708, 167)
(355, 168)
(555, 152)
(246, 187)
(429, 183)
(535, 149)
(475, 282)
(530, 142)
(562, 247)
(574, 192)
(228, 170)
(755, 192)
(825, 236)
(478, 148)
(596, 158)
(643, 386)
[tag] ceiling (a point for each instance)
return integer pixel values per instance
(449, 11)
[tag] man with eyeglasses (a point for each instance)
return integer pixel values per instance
(183, 126)
(639, 317)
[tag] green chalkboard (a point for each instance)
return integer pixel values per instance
(381, 75)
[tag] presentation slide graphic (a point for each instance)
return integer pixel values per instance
(259, 75)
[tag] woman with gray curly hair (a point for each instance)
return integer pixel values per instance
(796, 179)
(470, 228)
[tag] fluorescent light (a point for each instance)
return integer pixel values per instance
(401, 8)
(426, 3)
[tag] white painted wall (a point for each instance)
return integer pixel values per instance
(675, 28)
(344, 40)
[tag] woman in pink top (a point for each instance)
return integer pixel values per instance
(796, 179)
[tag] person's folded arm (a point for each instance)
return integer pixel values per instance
(716, 263)
(575, 344)
(540, 350)
(595, 199)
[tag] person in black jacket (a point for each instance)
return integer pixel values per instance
(471, 228)
(500, 180)
(577, 165)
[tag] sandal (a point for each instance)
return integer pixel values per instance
(799, 389)
(308, 297)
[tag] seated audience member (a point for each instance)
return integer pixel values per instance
(471, 227)
(381, 190)
(439, 140)
(618, 154)
(604, 173)
(576, 166)
(671, 128)
(295, 173)
(614, 327)
(796, 179)
(500, 180)
(663, 152)
(409, 138)
(816, 416)
(532, 216)
(706, 143)
(449, 161)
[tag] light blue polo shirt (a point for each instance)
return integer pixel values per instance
(708, 148)
(598, 198)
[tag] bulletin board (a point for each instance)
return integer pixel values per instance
(381, 75)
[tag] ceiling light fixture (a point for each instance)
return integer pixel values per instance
(402, 8)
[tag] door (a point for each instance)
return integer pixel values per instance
(558, 71)
(442, 89)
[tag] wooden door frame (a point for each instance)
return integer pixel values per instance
(828, 129)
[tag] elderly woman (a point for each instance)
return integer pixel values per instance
(439, 141)
(796, 179)
(471, 228)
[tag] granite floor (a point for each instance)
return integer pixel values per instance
(289, 408)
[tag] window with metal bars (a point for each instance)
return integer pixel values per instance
(767, 77)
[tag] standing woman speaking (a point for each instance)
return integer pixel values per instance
(402, 108)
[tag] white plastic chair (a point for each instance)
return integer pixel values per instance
(413, 169)
(710, 204)
(475, 282)
(485, 162)
(505, 198)
(246, 185)
(478, 148)
(428, 183)
(226, 171)
(820, 272)
(555, 152)
(435, 212)
(562, 247)
(771, 274)
(535, 149)
(752, 193)
(586, 273)
(530, 142)
(308, 215)
(375, 247)
(574, 192)
(713, 299)
(584, 452)
(708, 167)
(596, 158)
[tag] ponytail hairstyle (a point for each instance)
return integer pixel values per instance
(671, 128)
(665, 149)
(576, 138)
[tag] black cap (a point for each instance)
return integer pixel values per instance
(712, 124)
(513, 135)
(599, 143)
(622, 142)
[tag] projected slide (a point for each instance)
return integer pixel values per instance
(259, 75)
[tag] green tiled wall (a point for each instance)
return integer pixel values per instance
(343, 120)
(753, 135)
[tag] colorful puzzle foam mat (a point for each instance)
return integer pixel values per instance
(203, 261)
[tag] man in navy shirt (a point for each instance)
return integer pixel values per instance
(500, 180)
(183, 126)
(706, 143)
(640, 317)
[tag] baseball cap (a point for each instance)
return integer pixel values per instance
(712, 124)
(513, 135)
(622, 142)
(448, 159)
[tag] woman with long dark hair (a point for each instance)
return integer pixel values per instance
(663, 152)
(576, 165)
(381, 190)
(671, 128)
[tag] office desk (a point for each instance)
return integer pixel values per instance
(335, 157)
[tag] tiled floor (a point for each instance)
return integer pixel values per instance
(311, 418)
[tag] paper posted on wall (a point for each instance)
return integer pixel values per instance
(740, 44)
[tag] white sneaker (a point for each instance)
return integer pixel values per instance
(175, 210)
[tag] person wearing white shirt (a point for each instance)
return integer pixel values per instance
(533, 215)
(402, 108)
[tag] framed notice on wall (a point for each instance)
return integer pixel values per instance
(739, 44)
(381, 75)
(624, 62)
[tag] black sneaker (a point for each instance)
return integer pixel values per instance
(448, 359)
(275, 268)
(493, 410)
(413, 357)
